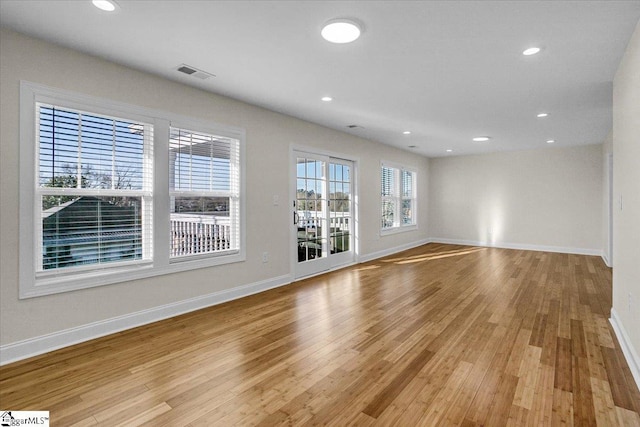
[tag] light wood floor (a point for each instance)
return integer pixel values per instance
(438, 335)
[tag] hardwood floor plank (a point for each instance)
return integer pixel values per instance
(437, 413)
(564, 365)
(539, 328)
(627, 418)
(390, 392)
(562, 408)
(583, 407)
(620, 390)
(528, 377)
(436, 335)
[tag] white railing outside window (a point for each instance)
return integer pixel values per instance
(197, 234)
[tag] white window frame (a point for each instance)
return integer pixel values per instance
(234, 194)
(31, 283)
(145, 194)
(397, 197)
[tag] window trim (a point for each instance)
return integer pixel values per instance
(29, 284)
(400, 228)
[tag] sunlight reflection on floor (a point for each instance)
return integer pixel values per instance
(367, 267)
(428, 257)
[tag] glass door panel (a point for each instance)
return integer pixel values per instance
(323, 213)
(340, 212)
(339, 208)
(310, 214)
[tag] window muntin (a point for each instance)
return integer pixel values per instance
(398, 197)
(93, 189)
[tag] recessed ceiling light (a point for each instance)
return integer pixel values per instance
(106, 5)
(550, 141)
(341, 31)
(449, 150)
(327, 98)
(543, 115)
(481, 138)
(406, 132)
(531, 51)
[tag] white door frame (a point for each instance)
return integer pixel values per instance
(610, 213)
(294, 150)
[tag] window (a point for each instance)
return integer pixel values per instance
(398, 192)
(112, 192)
(94, 189)
(204, 193)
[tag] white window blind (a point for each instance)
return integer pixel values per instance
(93, 191)
(389, 198)
(204, 193)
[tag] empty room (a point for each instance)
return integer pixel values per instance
(393, 213)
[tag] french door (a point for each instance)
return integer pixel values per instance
(323, 225)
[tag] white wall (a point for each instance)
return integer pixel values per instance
(544, 199)
(269, 137)
(607, 178)
(626, 217)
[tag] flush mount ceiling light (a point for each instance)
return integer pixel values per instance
(106, 5)
(531, 51)
(326, 99)
(540, 115)
(341, 31)
(481, 138)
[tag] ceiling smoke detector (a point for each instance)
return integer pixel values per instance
(194, 72)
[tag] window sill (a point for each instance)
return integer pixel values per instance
(397, 230)
(109, 276)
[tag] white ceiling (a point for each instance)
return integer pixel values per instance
(447, 71)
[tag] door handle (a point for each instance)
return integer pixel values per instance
(296, 218)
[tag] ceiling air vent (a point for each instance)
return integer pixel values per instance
(354, 127)
(194, 72)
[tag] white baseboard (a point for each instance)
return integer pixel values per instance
(629, 352)
(520, 246)
(34, 346)
(391, 251)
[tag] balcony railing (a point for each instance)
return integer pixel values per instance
(336, 223)
(199, 234)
